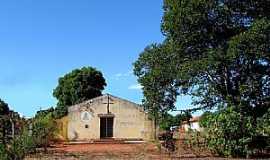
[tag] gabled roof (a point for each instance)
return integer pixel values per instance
(91, 101)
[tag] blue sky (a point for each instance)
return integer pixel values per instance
(43, 40)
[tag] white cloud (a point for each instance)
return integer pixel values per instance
(123, 75)
(119, 75)
(135, 87)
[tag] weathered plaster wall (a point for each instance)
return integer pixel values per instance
(62, 125)
(130, 120)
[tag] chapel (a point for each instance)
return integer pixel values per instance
(108, 117)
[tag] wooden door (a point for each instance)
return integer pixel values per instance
(106, 127)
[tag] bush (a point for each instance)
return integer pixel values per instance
(44, 130)
(227, 133)
(42, 133)
(3, 152)
(169, 142)
(263, 126)
(18, 147)
(21, 146)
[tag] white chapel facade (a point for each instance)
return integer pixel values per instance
(108, 116)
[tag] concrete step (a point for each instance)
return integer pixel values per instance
(108, 141)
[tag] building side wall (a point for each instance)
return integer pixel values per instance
(61, 133)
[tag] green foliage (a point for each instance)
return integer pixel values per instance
(20, 146)
(227, 136)
(220, 48)
(43, 113)
(26, 141)
(3, 152)
(77, 86)
(5, 124)
(167, 121)
(4, 110)
(158, 84)
(263, 124)
(196, 140)
(5, 128)
(17, 147)
(217, 52)
(44, 130)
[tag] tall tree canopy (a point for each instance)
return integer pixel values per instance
(158, 84)
(5, 125)
(217, 51)
(4, 109)
(221, 47)
(78, 86)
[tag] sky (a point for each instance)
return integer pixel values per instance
(43, 40)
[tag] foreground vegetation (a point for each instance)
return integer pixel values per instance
(20, 137)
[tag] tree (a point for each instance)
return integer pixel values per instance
(4, 109)
(43, 113)
(158, 84)
(20, 146)
(205, 35)
(167, 122)
(5, 124)
(223, 49)
(14, 141)
(219, 55)
(78, 86)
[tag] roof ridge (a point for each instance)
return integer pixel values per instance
(138, 106)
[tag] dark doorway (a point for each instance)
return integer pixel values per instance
(106, 127)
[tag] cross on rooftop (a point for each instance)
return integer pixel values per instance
(108, 103)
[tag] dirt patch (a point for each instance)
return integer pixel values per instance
(99, 152)
(145, 151)
(97, 148)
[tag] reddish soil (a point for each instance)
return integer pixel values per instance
(145, 151)
(98, 148)
(100, 152)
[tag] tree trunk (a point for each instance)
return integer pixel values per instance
(155, 129)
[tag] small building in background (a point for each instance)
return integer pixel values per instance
(192, 124)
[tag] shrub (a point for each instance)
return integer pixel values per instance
(18, 147)
(44, 130)
(263, 126)
(3, 152)
(21, 146)
(227, 133)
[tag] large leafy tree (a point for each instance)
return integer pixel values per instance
(78, 86)
(158, 84)
(5, 124)
(4, 109)
(222, 47)
(11, 124)
(219, 53)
